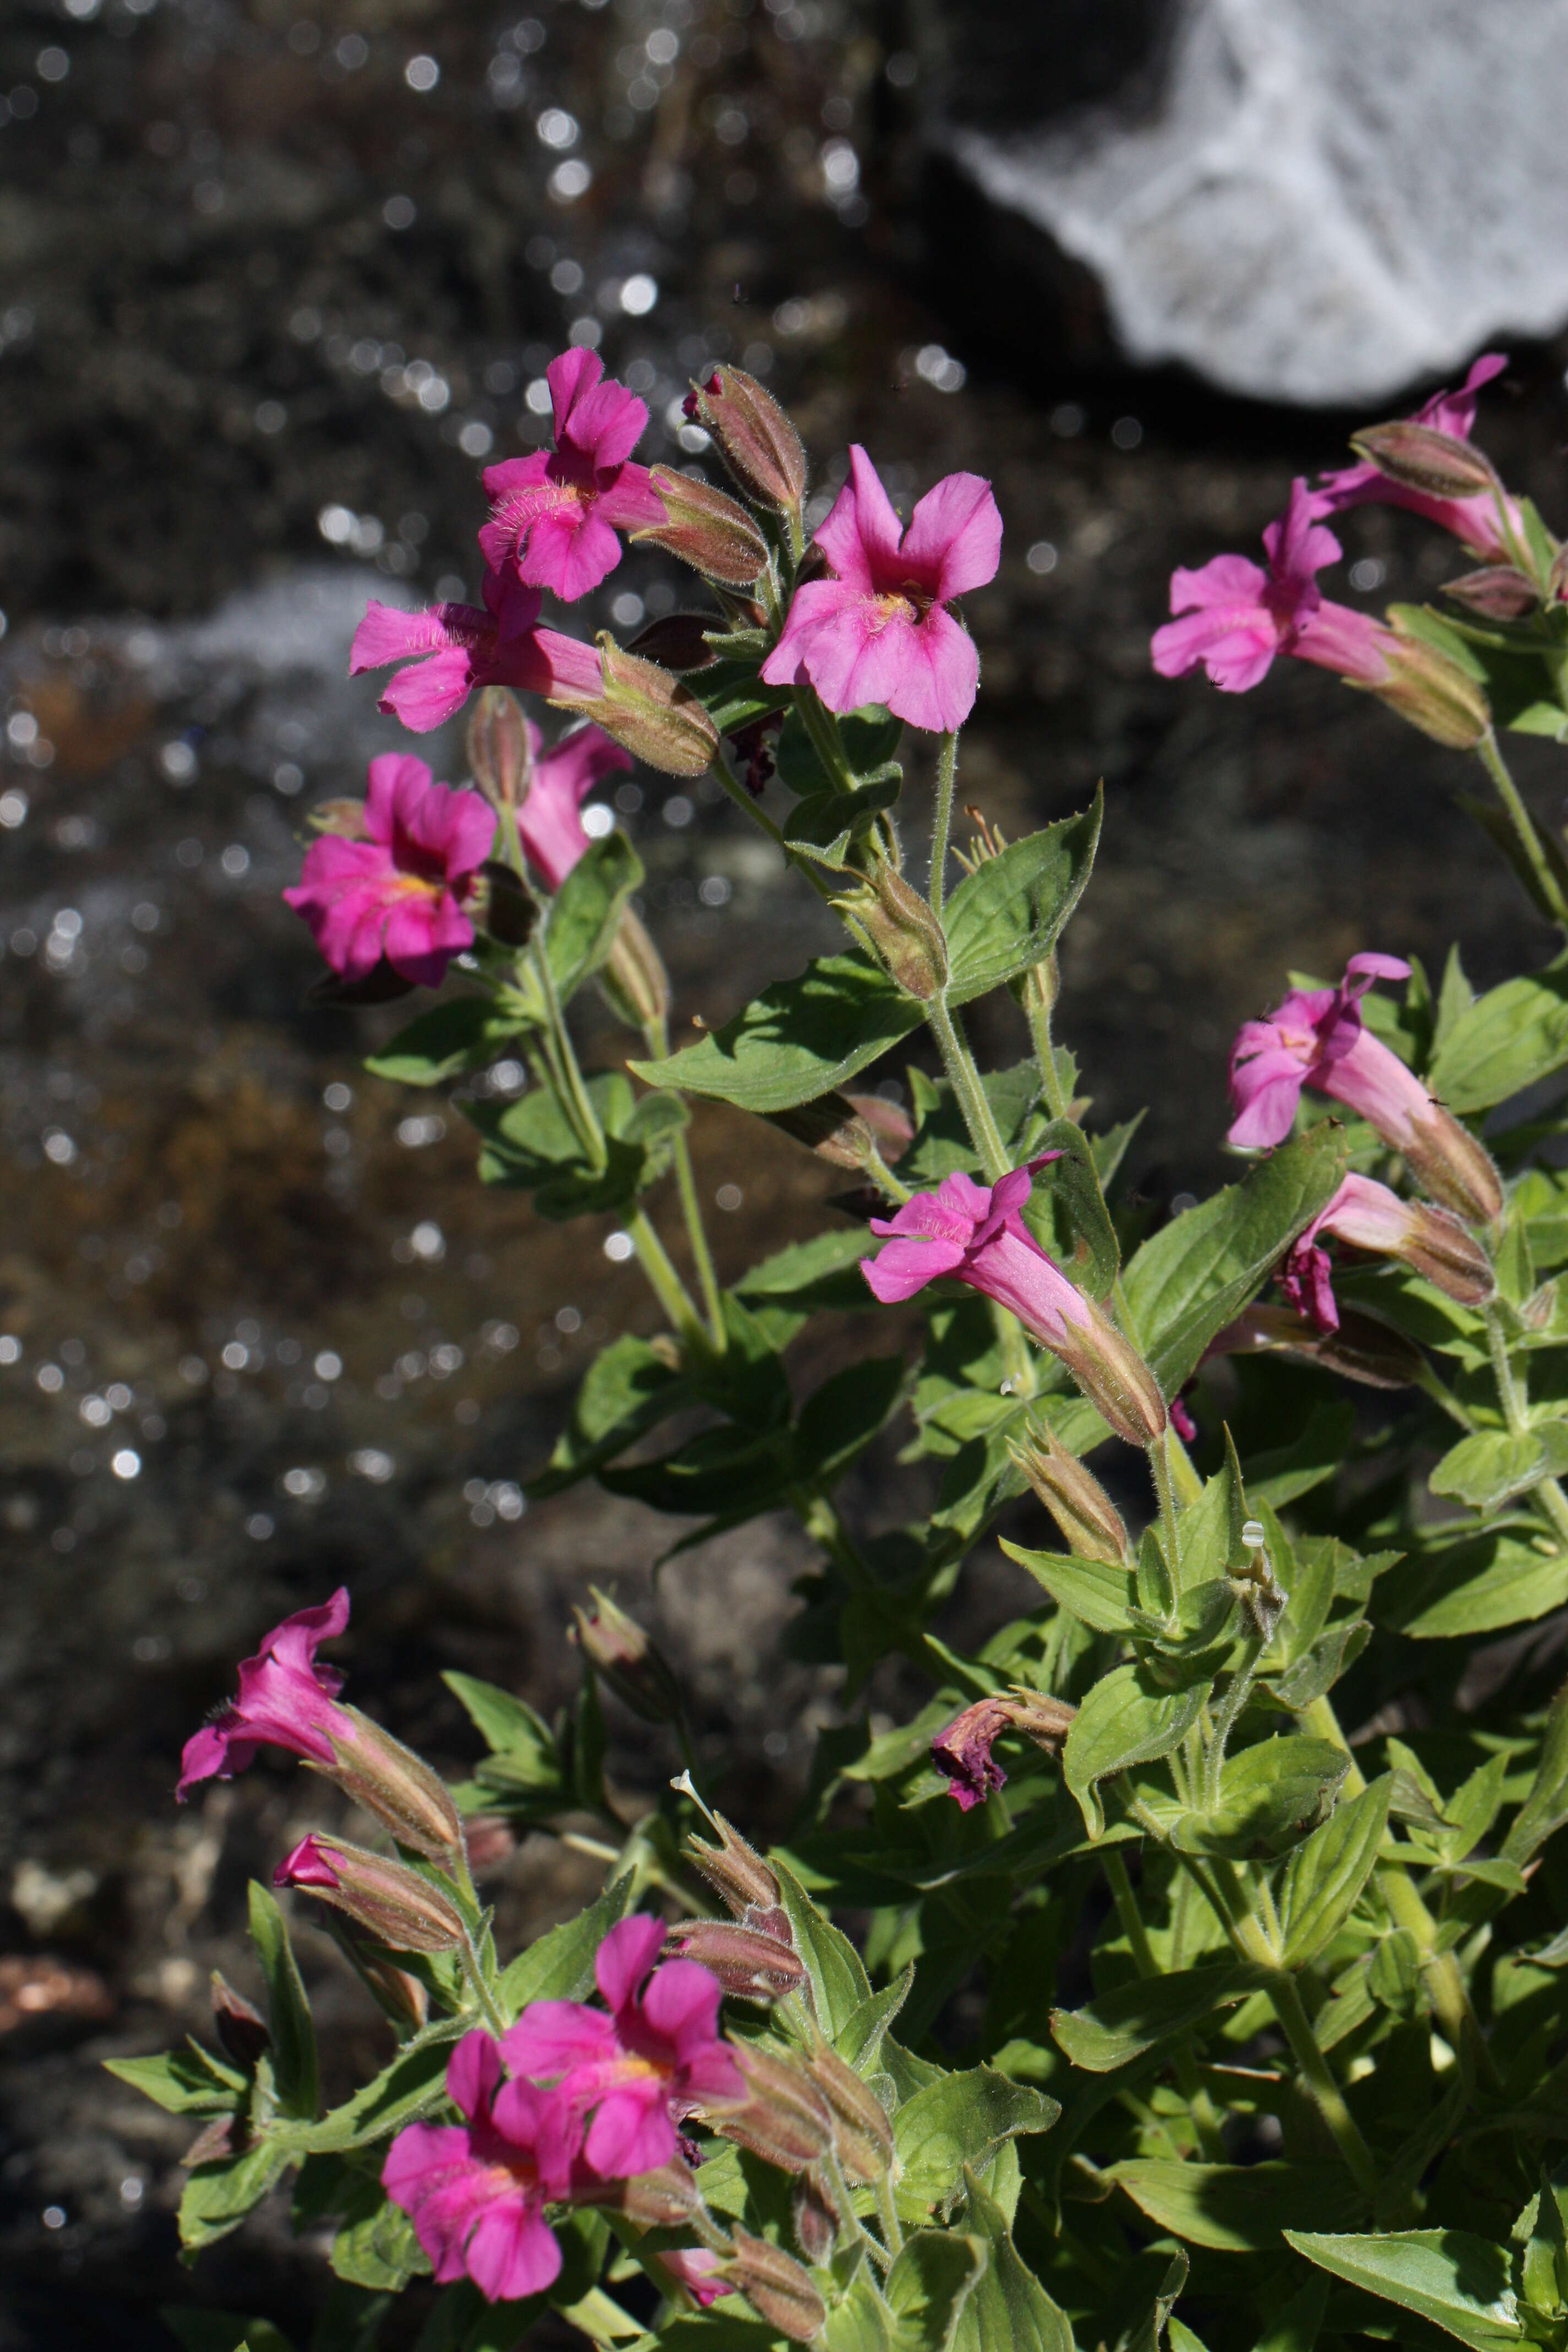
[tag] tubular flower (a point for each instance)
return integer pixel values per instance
(1368, 1216)
(475, 2191)
(964, 1750)
(1474, 521)
(286, 1700)
(557, 512)
(881, 631)
(398, 890)
(975, 1234)
(1316, 1038)
(1236, 617)
(643, 2066)
(692, 2268)
(551, 830)
(452, 650)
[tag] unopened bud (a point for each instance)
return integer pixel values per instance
(735, 1870)
(648, 710)
(1449, 1162)
(1429, 690)
(777, 2285)
(1497, 592)
(747, 1961)
(664, 2200)
(901, 928)
(676, 641)
(633, 975)
(815, 2217)
(1421, 458)
(1037, 989)
(214, 2143)
(240, 2027)
(491, 1840)
(708, 529)
(753, 436)
(1113, 1376)
(783, 2117)
(500, 756)
(1448, 1254)
(1041, 1718)
(347, 819)
(1089, 1522)
(619, 1650)
(1361, 1349)
(392, 1903)
(862, 2135)
(402, 1997)
(509, 910)
(398, 1787)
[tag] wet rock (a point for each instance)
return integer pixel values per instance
(1309, 201)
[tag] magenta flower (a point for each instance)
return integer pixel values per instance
(286, 1700)
(964, 1751)
(475, 2191)
(1369, 1216)
(881, 631)
(1237, 616)
(553, 834)
(642, 2067)
(1473, 520)
(557, 512)
(693, 2268)
(454, 649)
(399, 891)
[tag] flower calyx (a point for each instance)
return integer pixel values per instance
(627, 1658)
(905, 934)
(392, 1903)
(708, 529)
(500, 756)
(647, 710)
(1090, 1524)
(753, 436)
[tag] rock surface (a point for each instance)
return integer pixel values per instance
(1312, 201)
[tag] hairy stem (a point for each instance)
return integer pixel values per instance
(941, 820)
(468, 1959)
(888, 2214)
(964, 1079)
(1519, 816)
(1229, 1715)
(760, 817)
(1206, 2119)
(1317, 2076)
(575, 1099)
(1160, 1471)
(666, 1284)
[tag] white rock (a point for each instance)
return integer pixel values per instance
(1331, 199)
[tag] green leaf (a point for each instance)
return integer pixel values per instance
(1009, 913)
(559, 1965)
(1324, 1878)
(586, 912)
(507, 1725)
(1510, 1038)
(1127, 1719)
(1145, 2337)
(465, 1034)
(406, 2090)
(1489, 1467)
(1269, 1794)
(1474, 1588)
(625, 1390)
(932, 2279)
(796, 1040)
(378, 2249)
(1235, 2207)
(1457, 2280)
(183, 2082)
(297, 2071)
(1067, 1211)
(839, 1984)
(859, 2039)
(962, 2119)
(840, 1420)
(1296, 2327)
(532, 1147)
(1006, 2306)
(1121, 2025)
(1199, 1272)
(217, 2197)
(724, 1472)
(1098, 1593)
(1286, 1472)
(824, 1272)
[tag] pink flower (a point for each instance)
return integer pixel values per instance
(964, 1751)
(1240, 616)
(399, 891)
(639, 2069)
(475, 2191)
(693, 2268)
(554, 839)
(557, 512)
(881, 631)
(454, 649)
(1474, 521)
(286, 1700)
(1369, 1216)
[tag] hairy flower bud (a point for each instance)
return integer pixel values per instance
(1430, 690)
(676, 641)
(851, 1131)
(735, 1870)
(1089, 1522)
(706, 529)
(1497, 592)
(500, 756)
(633, 975)
(1419, 458)
(619, 1649)
(1114, 1377)
(398, 1787)
(663, 2199)
(753, 436)
(402, 1997)
(747, 1961)
(783, 2117)
(491, 1840)
(1361, 1349)
(392, 1903)
(775, 2284)
(240, 2027)
(1453, 1165)
(901, 928)
(646, 709)
(862, 2134)
(816, 2216)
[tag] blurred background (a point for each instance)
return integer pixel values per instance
(276, 280)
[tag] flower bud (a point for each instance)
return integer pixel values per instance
(1448, 1161)
(862, 2134)
(647, 709)
(753, 436)
(706, 529)
(901, 928)
(783, 2117)
(1497, 592)
(1088, 1520)
(1432, 691)
(402, 1997)
(1437, 1246)
(736, 1871)
(1361, 1349)
(851, 1131)
(775, 2284)
(815, 2217)
(618, 1649)
(499, 754)
(1113, 1376)
(633, 975)
(1421, 458)
(747, 1961)
(398, 1787)
(509, 910)
(391, 1902)
(676, 641)
(214, 2143)
(490, 1839)
(664, 2200)
(240, 2028)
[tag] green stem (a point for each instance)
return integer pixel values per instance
(1039, 1005)
(826, 739)
(1160, 1471)
(1205, 2120)
(1519, 816)
(1442, 1396)
(696, 1235)
(888, 2214)
(818, 1515)
(1229, 1715)
(942, 820)
(760, 817)
(1509, 1395)
(666, 1284)
(469, 1961)
(1286, 2003)
(964, 1079)
(576, 1100)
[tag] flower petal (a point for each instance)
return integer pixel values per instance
(955, 538)
(512, 2251)
(632, 2133)
(626, 1956)
(552, 2035)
